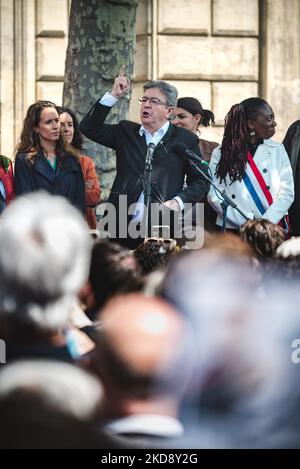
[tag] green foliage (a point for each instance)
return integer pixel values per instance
(4, 162)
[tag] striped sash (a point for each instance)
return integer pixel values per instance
(257, 186)
(260, 192)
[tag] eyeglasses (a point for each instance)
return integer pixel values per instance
(155, 101)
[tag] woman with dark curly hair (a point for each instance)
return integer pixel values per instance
(70, 128)
(45, 160)
(263, 236)
(254, 170)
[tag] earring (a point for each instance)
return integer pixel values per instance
(252, 133)
(197, 129)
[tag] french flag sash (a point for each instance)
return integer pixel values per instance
(260, 192)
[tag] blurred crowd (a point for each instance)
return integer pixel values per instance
(154, 348)
(111, 342)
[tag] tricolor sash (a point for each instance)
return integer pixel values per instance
(259, 191)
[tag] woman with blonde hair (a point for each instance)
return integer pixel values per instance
(45, 160)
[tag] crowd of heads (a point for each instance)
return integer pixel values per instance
(211, 349)
(45, 252)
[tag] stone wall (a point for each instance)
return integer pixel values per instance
(206, 48)
(280, 74)
(51, 44)
(33, 41)
(220, 51)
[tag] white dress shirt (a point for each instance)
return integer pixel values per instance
(109, 100)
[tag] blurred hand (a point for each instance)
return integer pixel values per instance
(121, 84)
(172, 205)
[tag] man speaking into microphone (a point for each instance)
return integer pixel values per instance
(142, 149)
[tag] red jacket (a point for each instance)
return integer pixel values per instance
(6, 177)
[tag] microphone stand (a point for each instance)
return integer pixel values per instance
(147, 176)
(226, 200)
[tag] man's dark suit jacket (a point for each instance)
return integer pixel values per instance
(291, 143)
(169, 168)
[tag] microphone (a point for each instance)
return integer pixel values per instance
(181, 148)
(149, 154)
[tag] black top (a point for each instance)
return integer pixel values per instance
(66, 180)
(252, 147)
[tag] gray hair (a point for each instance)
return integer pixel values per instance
(168, 90)
(61, 386)
(44, 259)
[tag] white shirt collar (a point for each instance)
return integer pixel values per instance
(157, 136)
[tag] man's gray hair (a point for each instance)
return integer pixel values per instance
(44, 259)
(168, 90)
(60, 386)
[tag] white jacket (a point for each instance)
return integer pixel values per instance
(274, 165)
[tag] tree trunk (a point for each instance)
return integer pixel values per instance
(101, 39)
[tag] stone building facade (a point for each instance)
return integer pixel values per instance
(220, 51)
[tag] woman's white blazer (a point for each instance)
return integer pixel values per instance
(274, 165)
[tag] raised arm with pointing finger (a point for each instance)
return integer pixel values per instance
(130, 141)
(121, 84)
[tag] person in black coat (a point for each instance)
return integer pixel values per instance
(291, 143)
(131, 143)
(44, 159)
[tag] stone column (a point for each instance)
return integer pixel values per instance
(281, 61)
